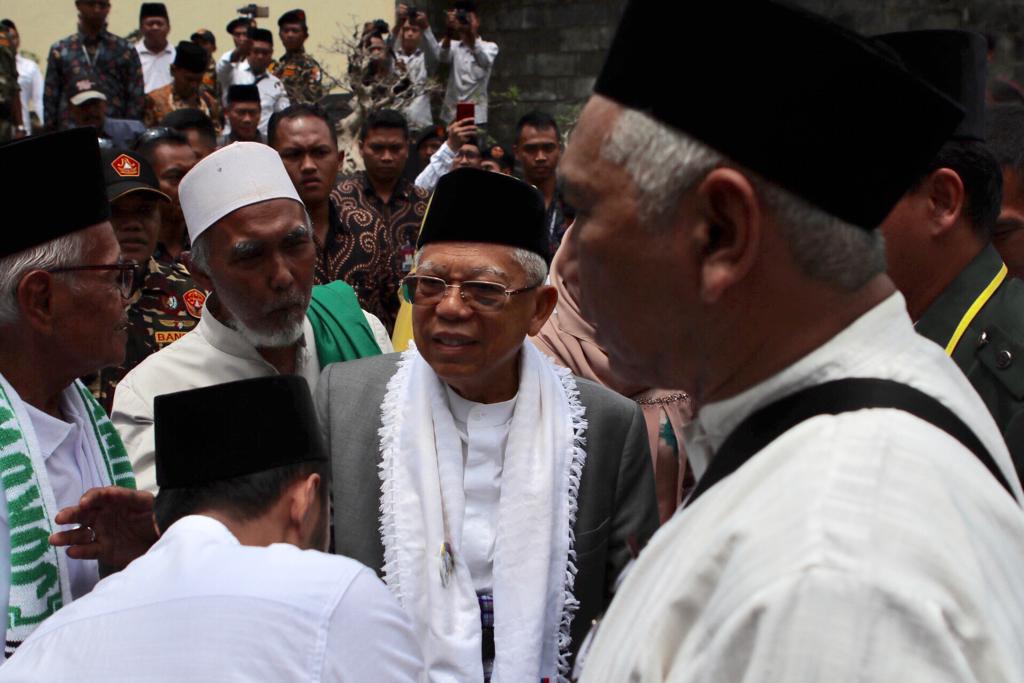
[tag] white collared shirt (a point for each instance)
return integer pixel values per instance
(211, 353)
(71, 473)
(156, 66)
(201, 606)
(273, 97)
(30, 80)
(867, 546)
(470, 76)
(419, 65)
(483, 429)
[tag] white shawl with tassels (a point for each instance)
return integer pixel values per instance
(534, 567)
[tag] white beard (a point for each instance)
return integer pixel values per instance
(283, 336)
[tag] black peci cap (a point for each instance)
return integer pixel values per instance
(261, 34)
(231, 430)
(239, 22)
(955, 62)
(125, 172)
(204, 36)
(812, 107)
(153, 9)
(51, 211)
(191, 57)
(514, 212)
(243, 93)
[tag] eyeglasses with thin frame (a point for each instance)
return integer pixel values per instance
(126, 276)
(485, 297)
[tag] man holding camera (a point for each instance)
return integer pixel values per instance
(416, 48)
(233, 70)
(472, 60)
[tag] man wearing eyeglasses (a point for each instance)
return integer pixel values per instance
(62, 292)
(511, 492)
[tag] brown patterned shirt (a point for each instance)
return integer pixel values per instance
(162, 101)
(369, 244)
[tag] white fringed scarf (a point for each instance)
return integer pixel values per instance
(534, 559)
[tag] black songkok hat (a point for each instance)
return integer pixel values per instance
(231, 430)
(295, 16)
(808, 105)
(243, 93)
(204, 35)
(191, 57)
(261, 34)
(125, 172)
(473, 205)
(955, 62)
(153, 9)
(235, 23)
(29, 167)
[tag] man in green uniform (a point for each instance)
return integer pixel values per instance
(299, 72)
(939, 239)
(165, 302)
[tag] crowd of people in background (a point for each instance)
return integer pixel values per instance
(726, 389)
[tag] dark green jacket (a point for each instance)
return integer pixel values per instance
(991, 350)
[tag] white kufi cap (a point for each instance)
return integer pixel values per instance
(238, 175)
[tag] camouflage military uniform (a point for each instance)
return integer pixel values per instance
(9, 102)
(165, 304)
(301, 76)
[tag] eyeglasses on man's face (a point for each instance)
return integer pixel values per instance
(125, 275)
(486, 297)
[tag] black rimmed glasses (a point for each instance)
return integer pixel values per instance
(125, 276)
(485, 297)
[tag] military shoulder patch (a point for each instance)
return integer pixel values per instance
(194, 300)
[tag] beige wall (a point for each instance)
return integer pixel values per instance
(43, 22)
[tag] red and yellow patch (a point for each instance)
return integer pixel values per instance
(126, 167)
(194, 300)
(163, 338)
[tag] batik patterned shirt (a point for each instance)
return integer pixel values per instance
(370, 244)
(163, 101)
(112, 63)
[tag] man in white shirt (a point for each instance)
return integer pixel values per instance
(472, 60)
(63, 289)
(249, 67)
(252, 249)
(870, 529)
(30, 80)
(417, 49)
(237, 587)
(155, 52)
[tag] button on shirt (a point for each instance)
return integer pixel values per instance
(156, 66)
(483, 429)
(199, 606)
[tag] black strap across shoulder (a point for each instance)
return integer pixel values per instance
(833, 398)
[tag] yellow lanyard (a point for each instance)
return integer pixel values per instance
(978, 304)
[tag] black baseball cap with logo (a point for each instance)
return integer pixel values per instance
(125, 172)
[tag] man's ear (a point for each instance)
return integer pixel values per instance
(729, 236)
(305, 500)
(35, 297)
(544, 305)
(946, 199)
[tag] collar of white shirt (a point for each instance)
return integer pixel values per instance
(141, 47)
(482, 414)
(839, 357)
(194, 527)
(51, 432)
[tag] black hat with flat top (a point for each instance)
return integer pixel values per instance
(153, 9)
(955, 62)
(243, 93)
(234, 429)
(191, 57)
(474, 205)
(823, 112)
(30, 166)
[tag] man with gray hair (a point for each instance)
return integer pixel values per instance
(63, 287)
(857, 515)
(511, 492)
(252, 249)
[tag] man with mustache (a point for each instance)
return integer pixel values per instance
(252, 249)
(63, 287)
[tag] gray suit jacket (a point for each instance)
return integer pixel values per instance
(616, 495)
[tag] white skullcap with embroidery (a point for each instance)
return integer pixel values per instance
(238, 175)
